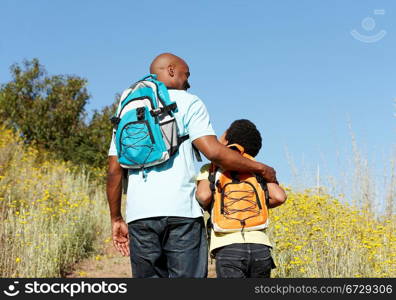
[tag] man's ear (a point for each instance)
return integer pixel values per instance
(171, 70)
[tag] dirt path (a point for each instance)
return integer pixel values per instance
(110, 265)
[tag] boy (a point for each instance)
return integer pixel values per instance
(248, 254)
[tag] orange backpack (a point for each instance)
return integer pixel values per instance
(240, 201)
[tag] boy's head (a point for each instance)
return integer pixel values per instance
(244, 133)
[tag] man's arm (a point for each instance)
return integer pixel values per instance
(114, 194)
(114, 188)
(230, 160)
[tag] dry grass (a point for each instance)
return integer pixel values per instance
(318, 236)
(50, 215)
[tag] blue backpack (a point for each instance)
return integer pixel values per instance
(145, 128)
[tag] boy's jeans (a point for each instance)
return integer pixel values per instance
(244, 260)
(168, 247)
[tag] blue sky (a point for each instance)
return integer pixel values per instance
(292, 67)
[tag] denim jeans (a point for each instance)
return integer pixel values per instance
(168, 247)
(244, 260)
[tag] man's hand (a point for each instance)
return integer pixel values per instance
(269, 174)
(114, 192)
(120, 236)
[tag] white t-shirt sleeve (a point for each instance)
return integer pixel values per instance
(112, 149)
(197, 120)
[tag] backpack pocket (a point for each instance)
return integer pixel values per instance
(238, 207)
(170, 135)
(236, 193)
(139, 144)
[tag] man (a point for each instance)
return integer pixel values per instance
(165, 234)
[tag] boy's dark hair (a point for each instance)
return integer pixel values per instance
(244, 133)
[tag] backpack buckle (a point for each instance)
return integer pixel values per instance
(156, 111)
(140, 113)
(115, 121)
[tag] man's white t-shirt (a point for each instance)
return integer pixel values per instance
(169, 189)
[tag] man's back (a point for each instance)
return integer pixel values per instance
(170, 187)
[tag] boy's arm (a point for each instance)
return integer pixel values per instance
(203, 193)
(277, 195)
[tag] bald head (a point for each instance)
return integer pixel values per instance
(163, 60)
(171, 70)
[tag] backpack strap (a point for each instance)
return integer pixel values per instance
(115, 121)
(264, 186)
(125, 179)
(212, 180)
(197, 154)
(151, 76)
(196, 151)
(237, 147)
(166, 109)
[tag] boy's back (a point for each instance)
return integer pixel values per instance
(240, 254)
